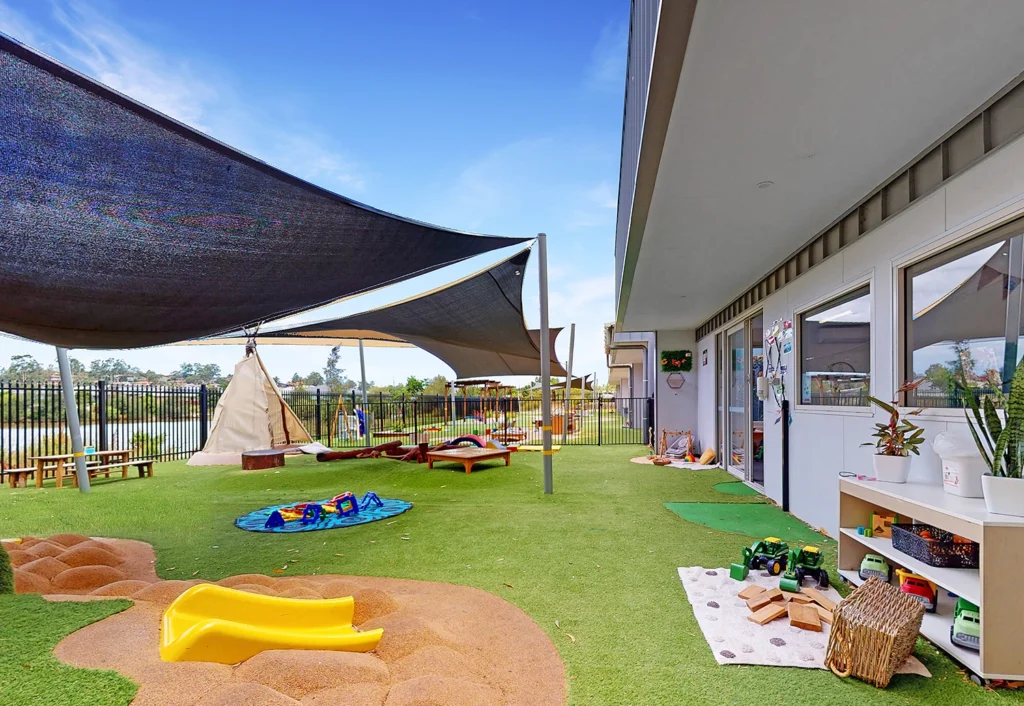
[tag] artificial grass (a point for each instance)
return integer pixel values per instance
(755, 520)
(735, 488)
(30, 628)
(6, 574)
(599, 557)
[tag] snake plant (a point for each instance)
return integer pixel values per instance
(1000, 441)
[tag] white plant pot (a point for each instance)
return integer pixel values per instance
(1004, 496)
(892, 469)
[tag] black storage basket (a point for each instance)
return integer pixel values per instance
(939, 551)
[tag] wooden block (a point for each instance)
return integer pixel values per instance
(774, 594)
(804, 616)
(798, 598)
(825, 615)
(751, 591)
(820, 598)
(758, 602)
(767, 614)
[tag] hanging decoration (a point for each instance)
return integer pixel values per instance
(676, 361)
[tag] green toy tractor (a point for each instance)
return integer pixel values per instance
(803, 563)
(768, 553)
(966, 628)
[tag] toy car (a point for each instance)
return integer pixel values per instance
(874, 565)
(803, 563)
(966, 628)
(768, 553)
(919, 588)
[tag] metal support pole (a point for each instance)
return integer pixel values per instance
(366, 410)
(71, 407)
(568, 385)
(545, 363)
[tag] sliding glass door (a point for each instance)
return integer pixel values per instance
(736, 400)
(743, 414)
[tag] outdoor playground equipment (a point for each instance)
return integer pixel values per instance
(769, 553)
(210, 623)
(345, 504)
(801, 564)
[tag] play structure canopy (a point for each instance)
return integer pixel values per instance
(474, 324)
(121, 227)
(251, 414)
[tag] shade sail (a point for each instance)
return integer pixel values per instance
(475, 325)
(120, 227)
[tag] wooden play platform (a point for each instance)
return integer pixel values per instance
(467, 456)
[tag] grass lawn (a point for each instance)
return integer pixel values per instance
(599, 557)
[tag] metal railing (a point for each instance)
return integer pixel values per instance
(169, 422)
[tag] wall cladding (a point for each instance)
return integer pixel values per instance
(993, 126)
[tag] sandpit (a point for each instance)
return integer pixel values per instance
(443, 644)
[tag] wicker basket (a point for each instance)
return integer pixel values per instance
(940, 550)
(873, 632)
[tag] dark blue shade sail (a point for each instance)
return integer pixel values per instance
(120, 227)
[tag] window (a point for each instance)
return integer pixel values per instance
(835, 351)
(963, 313)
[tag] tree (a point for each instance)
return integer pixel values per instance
(333, 375)
(438, 385)
(197, 373)
(414, 385)
(314, 379)
(111, 369)
(26, 369)
(296, 379)
(77, 369)
(940, 376)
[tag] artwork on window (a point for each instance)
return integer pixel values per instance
(963, 319)
(676, 361)
(835, 351)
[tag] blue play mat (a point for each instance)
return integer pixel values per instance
(255, 520)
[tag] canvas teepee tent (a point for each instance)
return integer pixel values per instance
(251, 414)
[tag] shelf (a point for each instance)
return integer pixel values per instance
(935, 626)
(962, 582)
(931, 497)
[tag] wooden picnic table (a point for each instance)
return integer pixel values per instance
(60, 462)
(467, 456)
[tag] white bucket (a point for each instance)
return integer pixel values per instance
(962, 465)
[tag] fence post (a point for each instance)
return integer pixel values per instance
(101, 397)
(415, 421)
(600, 420)
(204, 416)
(318, 429)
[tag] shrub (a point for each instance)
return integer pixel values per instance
(6, 573)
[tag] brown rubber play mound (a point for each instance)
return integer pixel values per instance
(443, 645)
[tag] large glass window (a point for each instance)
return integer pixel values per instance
(963, 316)
(835, 351)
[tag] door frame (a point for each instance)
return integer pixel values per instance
(740, 472)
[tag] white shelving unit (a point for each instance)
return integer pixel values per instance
(997, 585)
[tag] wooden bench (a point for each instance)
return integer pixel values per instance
(144, 466)
(17, 477)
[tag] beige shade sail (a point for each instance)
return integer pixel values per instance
(250, 415)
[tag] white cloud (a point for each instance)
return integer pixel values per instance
(201, 96)
(607, 68)
(594, 207)
(13, 24)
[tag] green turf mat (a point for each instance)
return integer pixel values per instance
(735, 488)
(752, 519)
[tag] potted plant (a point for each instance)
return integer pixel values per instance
(1001, 443)
(896, 440)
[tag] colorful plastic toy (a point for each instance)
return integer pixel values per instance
(919, 588)
(210, 623)
(344, 504)
(801, 564)
(966, 628)
(311, 514)
(874, 565)
(468, 439)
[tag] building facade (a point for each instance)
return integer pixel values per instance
(828, 196)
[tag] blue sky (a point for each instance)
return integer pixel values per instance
(493, 117)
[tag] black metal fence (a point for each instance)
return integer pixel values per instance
(168, 423)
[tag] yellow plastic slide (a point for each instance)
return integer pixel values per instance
(209, 623)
